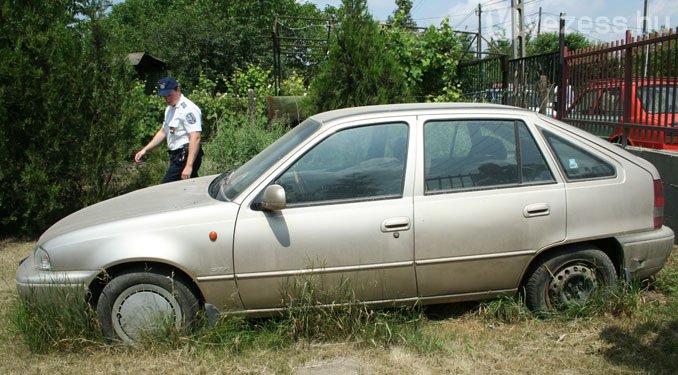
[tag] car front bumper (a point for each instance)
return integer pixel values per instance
(645, 253)
(32, 283)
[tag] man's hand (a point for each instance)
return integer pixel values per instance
(157, 140)
(186, 173)
(139, 155)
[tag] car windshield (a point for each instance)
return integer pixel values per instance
(659, 98)
(229, 185)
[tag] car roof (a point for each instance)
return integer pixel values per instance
(325, 117)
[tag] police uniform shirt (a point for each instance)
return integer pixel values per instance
(180, 120)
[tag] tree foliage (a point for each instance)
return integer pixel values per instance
(541, 44)
(59, 98)
(429, 59)
(209, 37)
(549, 43)
(402, 15)
(360, 69)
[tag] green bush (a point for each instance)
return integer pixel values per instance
(237, 139)
(429, 59)
(62, 98)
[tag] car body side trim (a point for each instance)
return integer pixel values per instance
(448, 298)
(475, 257)
(305, 271)
(216, 278)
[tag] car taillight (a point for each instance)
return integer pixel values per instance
(658, 204)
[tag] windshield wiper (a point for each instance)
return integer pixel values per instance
(217, 183)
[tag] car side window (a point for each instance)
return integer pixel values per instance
(360, 163)
(463, 155)
(577, 163)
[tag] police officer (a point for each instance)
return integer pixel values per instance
(181, 129)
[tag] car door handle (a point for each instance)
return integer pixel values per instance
(536, 209)
(395, 224)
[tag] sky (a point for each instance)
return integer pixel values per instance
(600, 21)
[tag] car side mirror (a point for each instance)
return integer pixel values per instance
(274, 198)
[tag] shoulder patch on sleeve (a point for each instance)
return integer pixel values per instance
(190, 118)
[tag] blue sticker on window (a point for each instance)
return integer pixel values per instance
(190, 118)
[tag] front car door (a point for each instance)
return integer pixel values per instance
(347, 228)
(486, 201)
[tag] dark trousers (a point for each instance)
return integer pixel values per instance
(178, 162)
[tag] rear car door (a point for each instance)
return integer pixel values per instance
(486, 202)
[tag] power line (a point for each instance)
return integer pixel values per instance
(417, 6)
(495, 9)
(592, 21)
(467, 16)
(487, 3)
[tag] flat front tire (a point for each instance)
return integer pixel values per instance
(572, 275)
(143, 304)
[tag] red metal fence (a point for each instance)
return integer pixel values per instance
(626, 91)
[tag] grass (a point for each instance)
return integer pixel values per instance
(66, 323)
(633, 332)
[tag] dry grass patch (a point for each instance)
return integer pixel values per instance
(468, 340)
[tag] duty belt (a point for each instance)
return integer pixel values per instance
(183, 148)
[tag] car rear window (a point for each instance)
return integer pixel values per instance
(577, 163)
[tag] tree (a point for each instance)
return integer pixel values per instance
(60, 97)
(360, 69)
(402, 16)
(502, 45)
(429, 60)
(549, 43)
(209, 37)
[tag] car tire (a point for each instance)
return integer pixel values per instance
(572, 275)
(136, 305)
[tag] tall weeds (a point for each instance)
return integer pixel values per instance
(61, 321)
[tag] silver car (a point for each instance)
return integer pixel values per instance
(428, 203)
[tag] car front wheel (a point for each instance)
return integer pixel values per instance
(571, 276)
(145, 304)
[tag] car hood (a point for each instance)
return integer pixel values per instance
(153, 200)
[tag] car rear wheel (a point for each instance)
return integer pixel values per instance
(137, 305)
(574, 275)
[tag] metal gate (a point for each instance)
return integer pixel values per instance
(626, 92)
(527, 82)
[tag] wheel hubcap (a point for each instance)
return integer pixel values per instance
(144, 310)
(575, 283)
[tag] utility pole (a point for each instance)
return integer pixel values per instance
(539, 23)
(518, 26)
(647, 48)
(563, 84)
(478, 39)
(644, 19)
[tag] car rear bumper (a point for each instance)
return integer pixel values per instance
(645, 253)
(33, 284)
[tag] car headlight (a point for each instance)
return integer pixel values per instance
(41, 259)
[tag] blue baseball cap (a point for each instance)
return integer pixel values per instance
(166, 86)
